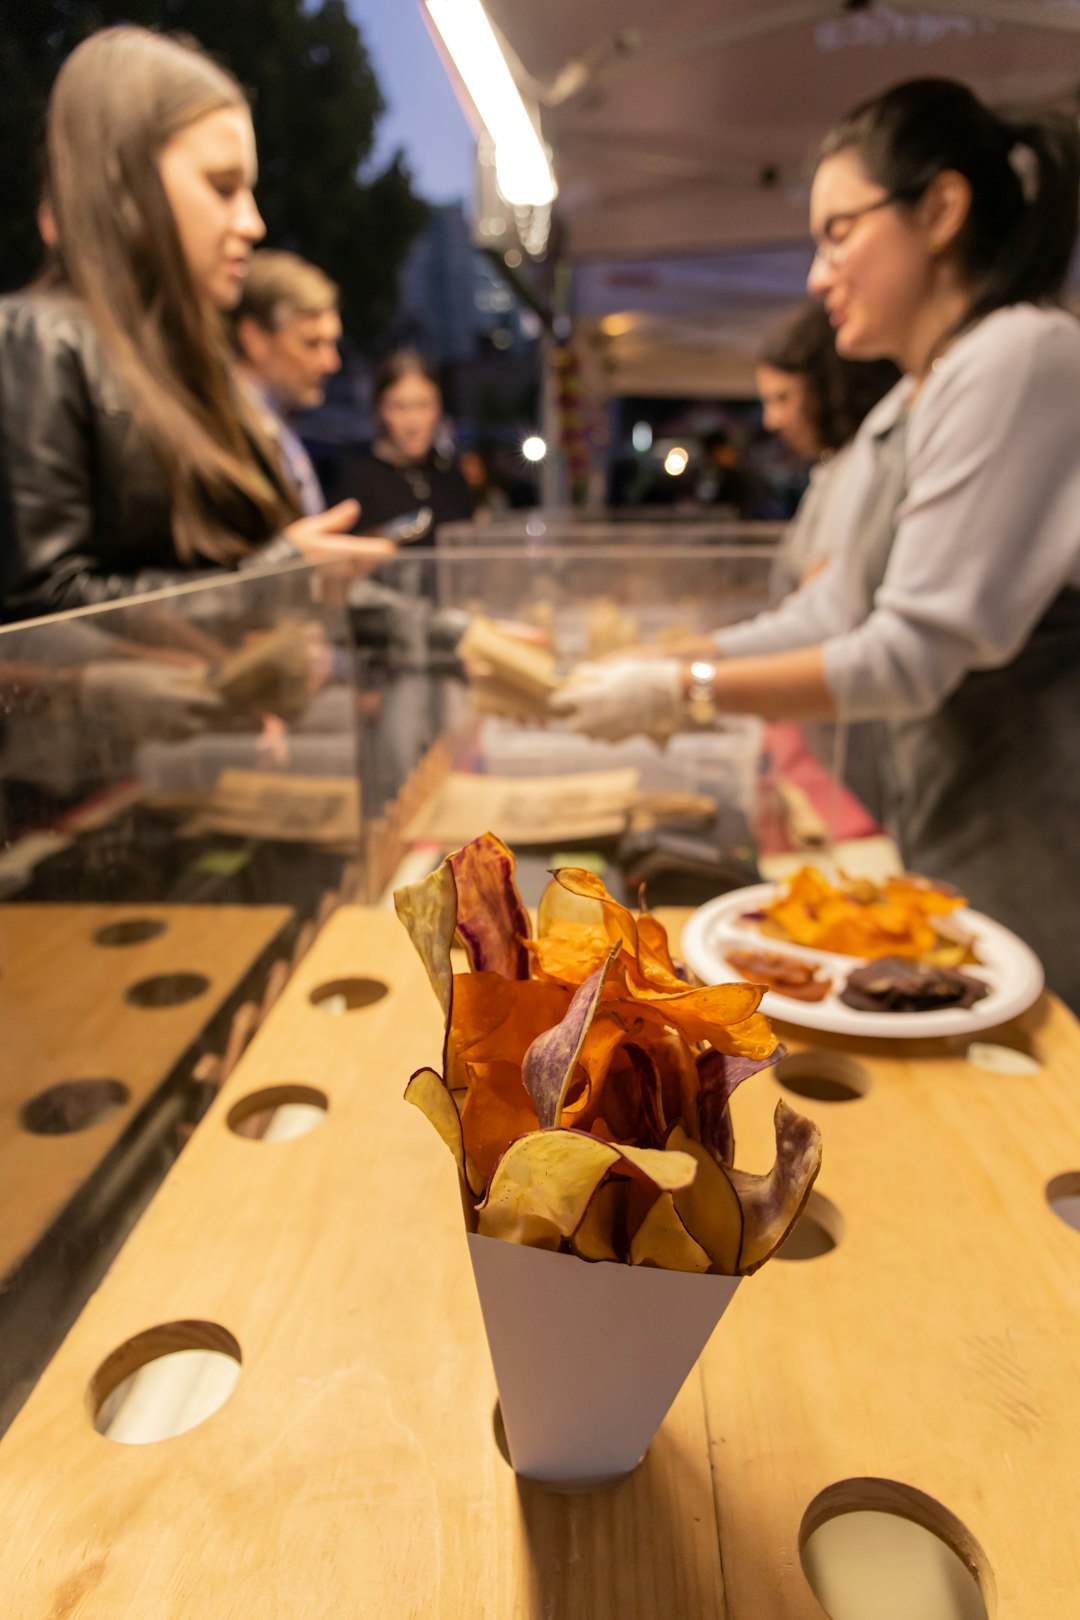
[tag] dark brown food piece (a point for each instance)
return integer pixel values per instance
(784, 974)
(897, 984)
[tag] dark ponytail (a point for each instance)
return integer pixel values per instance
(1018, 241)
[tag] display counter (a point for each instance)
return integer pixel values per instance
(643, 526)
(179, 803)
(914, 1353)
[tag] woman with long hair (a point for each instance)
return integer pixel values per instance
(127, 454)
(815, 401)
(944, 236)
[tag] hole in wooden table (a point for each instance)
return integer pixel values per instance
(130, 931)
(823, 1076)
(1063, 1196)
(339, 996)
(279, 1113)
(873, 1549)
(167, 990)
(991, 1058)
(164, 1382)
(73, 1105)
(816, 1232)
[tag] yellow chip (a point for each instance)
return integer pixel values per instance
(542, 1185)
(662, 1240)
(709, 1207)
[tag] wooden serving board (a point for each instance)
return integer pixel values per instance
(935, 1346)
(63, 1017)
(354, 1470)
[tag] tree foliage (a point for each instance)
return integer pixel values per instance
(315, 101)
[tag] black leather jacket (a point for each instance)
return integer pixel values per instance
(84, 501)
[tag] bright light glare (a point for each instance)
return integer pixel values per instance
(676, 461)
(522, 169)
(641, 437)
(534, 448)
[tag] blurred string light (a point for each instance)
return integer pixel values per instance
(534, 448)
(676, 461)
(641, 437)
(522, 167)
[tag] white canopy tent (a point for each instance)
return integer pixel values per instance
(681, 136)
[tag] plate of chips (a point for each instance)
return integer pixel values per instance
(905, 958)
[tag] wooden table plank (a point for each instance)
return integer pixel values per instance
(63, 1016)
(354, 1471)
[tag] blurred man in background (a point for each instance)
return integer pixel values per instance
(286, 331)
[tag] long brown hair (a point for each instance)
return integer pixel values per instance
(839, 392)
(120, 97)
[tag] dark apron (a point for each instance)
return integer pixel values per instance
(985, 792)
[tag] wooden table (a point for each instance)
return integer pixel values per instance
(64, 1016)
(353, 1472)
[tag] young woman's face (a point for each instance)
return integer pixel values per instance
(873, 265)
(783, 400)
(208, 171)
(410, 411)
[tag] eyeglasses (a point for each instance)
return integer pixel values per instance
(838, 228)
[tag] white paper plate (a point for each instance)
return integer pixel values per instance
(1011, 969)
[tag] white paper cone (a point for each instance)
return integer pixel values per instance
(588, 1357)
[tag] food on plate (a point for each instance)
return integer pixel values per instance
(784, 974)
(904, 916)
(897, 984)
(585, 1086)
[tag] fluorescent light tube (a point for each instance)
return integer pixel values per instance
(522, 169)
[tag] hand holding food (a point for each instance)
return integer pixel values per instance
(617, 700)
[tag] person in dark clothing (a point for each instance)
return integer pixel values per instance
(128, 457)
(403, 473)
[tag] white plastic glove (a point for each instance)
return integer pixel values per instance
(622, 700)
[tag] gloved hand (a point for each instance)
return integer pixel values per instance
(622, 700)
(146, 699)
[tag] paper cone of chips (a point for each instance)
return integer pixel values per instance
(588, 1358)
(584, 1095)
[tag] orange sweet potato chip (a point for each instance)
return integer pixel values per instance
(860, 918)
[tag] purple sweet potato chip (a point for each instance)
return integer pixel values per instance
(551, 1059)
(492, 923)
(719, 1076)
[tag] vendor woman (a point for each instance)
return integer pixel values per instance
(952, 612)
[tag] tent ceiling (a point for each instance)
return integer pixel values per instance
(682, 136)
(689, 127)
